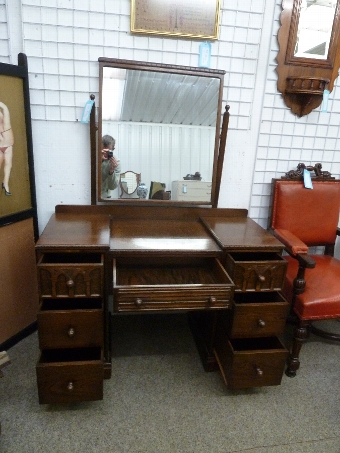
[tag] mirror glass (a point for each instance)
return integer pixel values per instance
(315, 28)
(165, 120)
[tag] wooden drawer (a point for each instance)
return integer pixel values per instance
(252, 362)
(70, 375)
(70, 323)
(175, 284)
(257, 315)
(261, 271)
(71, 274)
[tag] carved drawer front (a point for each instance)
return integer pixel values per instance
(71, 275)
(263, 271)
(254, 362)
(70, 375)
(175, 284)
(258, 315)
(70, 323)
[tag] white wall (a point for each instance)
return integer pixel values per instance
(63, 40)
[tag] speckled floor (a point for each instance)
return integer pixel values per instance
(159, 400)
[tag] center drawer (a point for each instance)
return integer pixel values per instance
(70, 375)
(70, 323)
(171, 284)
(256, 271)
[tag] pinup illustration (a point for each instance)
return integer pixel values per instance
(6, 146)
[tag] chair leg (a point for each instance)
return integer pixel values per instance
(301, 333)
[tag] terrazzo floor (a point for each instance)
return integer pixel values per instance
(160, 400)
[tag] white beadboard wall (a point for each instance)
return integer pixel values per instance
(63, 40)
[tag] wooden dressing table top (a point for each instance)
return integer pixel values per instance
(154, 236)
(241, 233)
(100, 228)
(76, 231)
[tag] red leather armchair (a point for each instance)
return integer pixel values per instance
(302, 218)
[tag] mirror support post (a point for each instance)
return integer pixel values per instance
(221, 152)
(93, 148)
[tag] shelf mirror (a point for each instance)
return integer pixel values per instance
(314, 29)
(308, 58)
(165, 120)
(128, 182)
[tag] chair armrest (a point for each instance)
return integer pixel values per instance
(292, 242)
(295, 247)
(305, 260)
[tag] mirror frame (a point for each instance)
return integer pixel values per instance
(220, 131)
(302, 81)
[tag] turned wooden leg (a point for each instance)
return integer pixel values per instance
(301, 333)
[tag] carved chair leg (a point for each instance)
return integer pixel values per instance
(301, 333)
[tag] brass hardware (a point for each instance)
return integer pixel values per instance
(261, 323)
(138, 302)
(212, 300)
(258, 370)
(71, 332)
(70, 386)
(70, 283)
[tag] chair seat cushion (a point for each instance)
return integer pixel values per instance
(321, 298)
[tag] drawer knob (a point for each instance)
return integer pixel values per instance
(259, 372)
(212, 300)
(261, 323)
(138, 302)
(70, 386)
(262, 278)
(70, 283)
(71, 332)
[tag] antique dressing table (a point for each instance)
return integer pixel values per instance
(153, 256)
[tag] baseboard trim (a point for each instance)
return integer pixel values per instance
(18, 337)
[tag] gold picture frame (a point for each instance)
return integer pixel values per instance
(184, 18)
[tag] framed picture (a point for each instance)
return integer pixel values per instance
(17, 196)
(185, 18)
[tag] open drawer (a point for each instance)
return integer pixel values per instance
(250, 362)
(70, 323)
(170, 284)
(256, 271)
(71, 274)
(70, 375)
(257, 314)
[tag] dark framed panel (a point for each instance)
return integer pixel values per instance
(17, 182)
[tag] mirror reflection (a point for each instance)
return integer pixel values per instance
(164, 124)
(128, 182)
(110, 166)
(315, 28)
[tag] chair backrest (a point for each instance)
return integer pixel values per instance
(310, 214)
